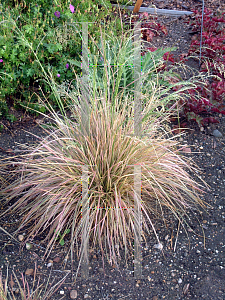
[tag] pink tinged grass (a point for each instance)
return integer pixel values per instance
(55, 199)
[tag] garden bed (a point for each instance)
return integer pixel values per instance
(189, 267)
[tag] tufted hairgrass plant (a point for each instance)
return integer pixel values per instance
(48, 191)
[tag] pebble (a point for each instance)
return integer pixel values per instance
(217, 133)
(86, 296)
(73, 294)
(61, 292)
(57, 259)
(179, 281)
(158, 246)
(49, 265)
(28, 246)
(29, 272)
(20, 237)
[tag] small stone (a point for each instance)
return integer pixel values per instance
(187, 150)
(176, 286)
(49, 265)
(179, 281)
(217, 133)
(28, 246)
(29, 272)
(57, 259)
(158, 246)
(20, 237)
(202, 129)
(155, 298)
(86, 296)
(101, 270)
(61, 292)
(73, 294)
(166, 237)
(173, 274)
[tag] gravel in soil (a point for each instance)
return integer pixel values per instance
(188, 267)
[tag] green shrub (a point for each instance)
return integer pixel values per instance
(51, 28)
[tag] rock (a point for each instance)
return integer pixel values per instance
(155, 298)
(73, 294)
(29, 272)
(20, 237)
(86, 296)
(187, 150)
(61, 292)
(217, 133)
(158, 246)
(28, 246)
(179, 281)
(49, 265)
(57, 259)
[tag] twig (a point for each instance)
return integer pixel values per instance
(200, 55)
(9, 235)
(7, 151)
(176, 236)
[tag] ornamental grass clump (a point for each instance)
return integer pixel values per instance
(48, 191)
(49, 187)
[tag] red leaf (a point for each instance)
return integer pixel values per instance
(164, 29)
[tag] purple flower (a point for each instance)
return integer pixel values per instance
(67, 66)
(71, 8)
(57, 14)
(1, 60)
(58, 75)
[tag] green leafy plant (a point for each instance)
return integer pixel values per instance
(61, 236)
(54, 31)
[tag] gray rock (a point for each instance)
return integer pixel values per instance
(217, 133)
(73, 294)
